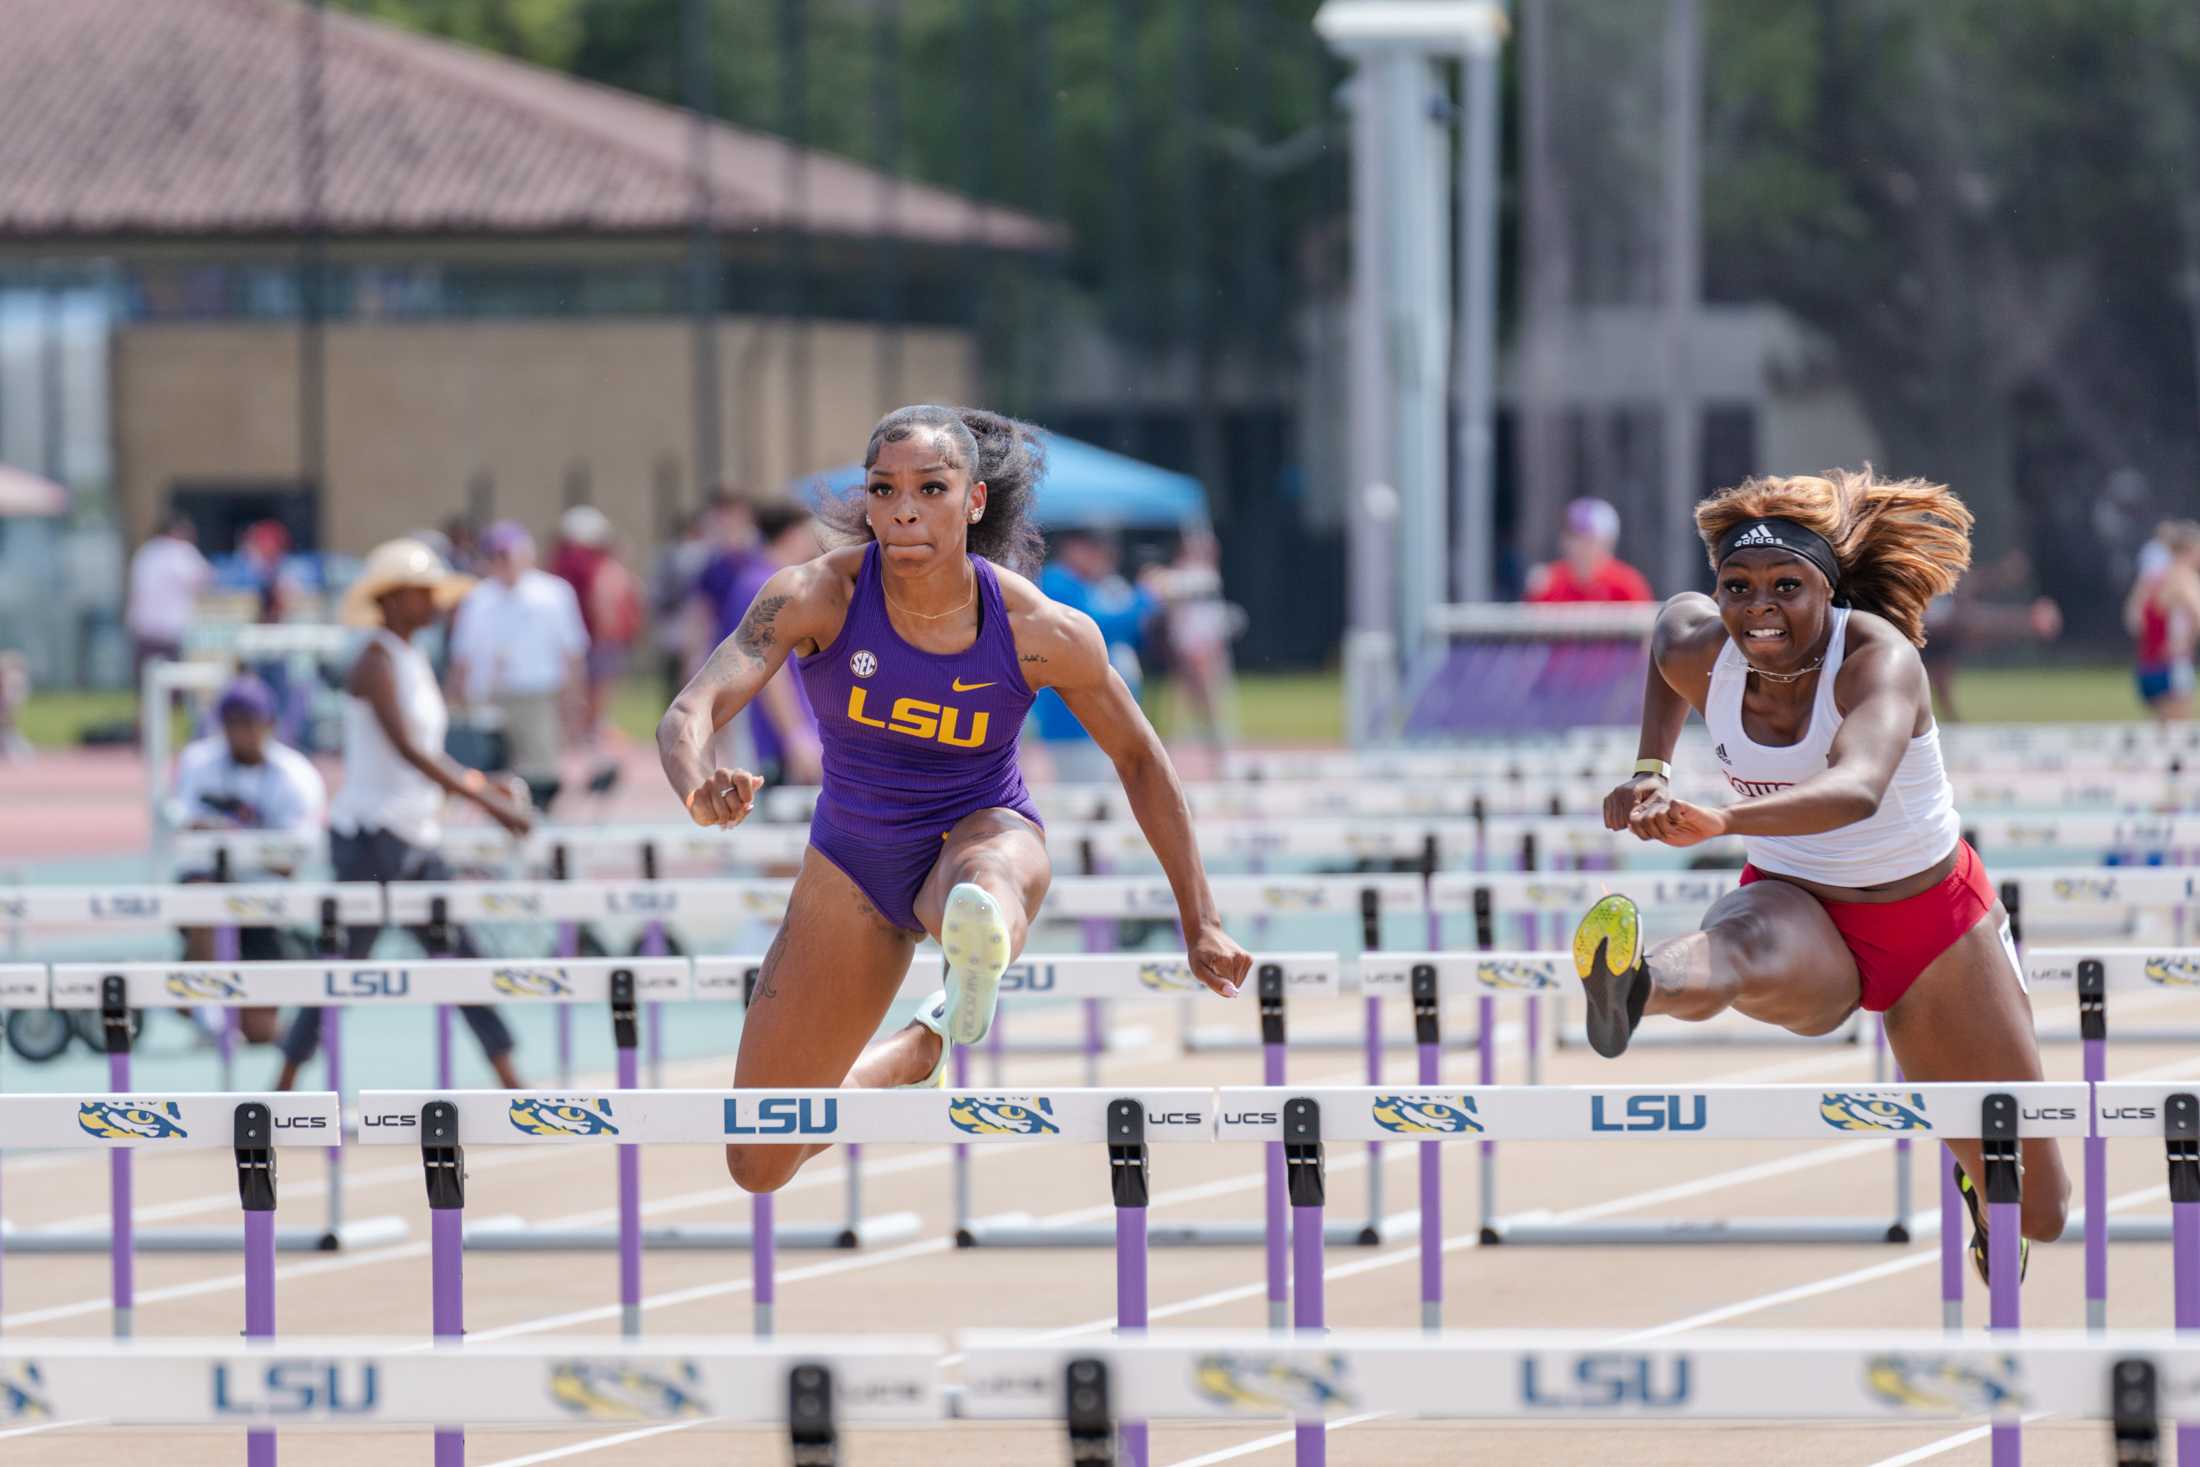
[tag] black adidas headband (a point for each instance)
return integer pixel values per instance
(1775, 533)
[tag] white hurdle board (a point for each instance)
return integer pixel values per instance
(198, 904)
(1057, 975)
(160, 1120)
(24, 986)
(339, 982)
(1739, 1374)
(725, 898)
(368, 1384)
(1600, 1112)
(2121, 968)
(782, 1117)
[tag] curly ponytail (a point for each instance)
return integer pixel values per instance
(1900, 542)
(1008, 455)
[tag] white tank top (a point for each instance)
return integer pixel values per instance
(1915, 826)
(380, 790)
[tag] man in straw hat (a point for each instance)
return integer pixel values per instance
(386, 819)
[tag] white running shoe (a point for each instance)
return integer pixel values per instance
(932, 1014)
(974, 935)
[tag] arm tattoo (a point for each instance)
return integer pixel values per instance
(756, 633)
(1031, 657)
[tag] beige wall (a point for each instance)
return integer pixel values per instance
(415, 410)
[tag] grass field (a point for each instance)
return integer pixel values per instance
(1303, 707)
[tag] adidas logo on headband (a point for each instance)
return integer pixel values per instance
(1757, 535)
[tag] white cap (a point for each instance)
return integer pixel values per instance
(584, 524)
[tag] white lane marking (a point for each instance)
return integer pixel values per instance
(51, 1426)
(1280, 1439)
(200, 1287)
(556, 1453)
(1950, 1443)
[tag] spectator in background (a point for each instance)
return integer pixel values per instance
(782, 726)
(2163, 615)
(587, 559)
(462, 545)
(244, 779)
(15, 691)
(387, 817)
(1964, 620)
(1586, 569)
(1084, 574)
(1201, 626)
(735, 550)
(166, 576)
(682, 624)
(518, 645)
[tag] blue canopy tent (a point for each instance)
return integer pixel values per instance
(1085, 488)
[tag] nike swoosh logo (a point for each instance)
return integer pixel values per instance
(962, 687)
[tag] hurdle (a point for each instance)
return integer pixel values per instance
(443, 1125)
(812, 1386)
(114, 991)
(2094, 974)
(1308, 1120)
(2131, 1381)
(251, 1126)
(1432, 977)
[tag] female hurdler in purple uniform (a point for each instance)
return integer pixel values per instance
(920, 652)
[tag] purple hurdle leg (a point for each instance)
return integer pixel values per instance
(121, 1259)
(1271, 1062)
(447, 1246)
(653, 946)
(226, 947)
(1485, 1070)
(1374, 1051)
(1130, 1309)
(1306, 1316)
(1096, 1038)
(1951, 1248)
(1432, 1212)
(443, 1046)
(2096, 1202)
(2004, 1246)
(762, 1250)
(569, 945)
(332, 1060)
(259, 1313)
(2184, 1234)
(630, 1213)
(2185, 1270)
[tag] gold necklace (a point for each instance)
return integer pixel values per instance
(929, 615)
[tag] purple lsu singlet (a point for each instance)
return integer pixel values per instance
(913, 740)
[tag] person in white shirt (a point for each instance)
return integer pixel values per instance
(387, 817)
(518, 645)
(243, 779)
(166, 576)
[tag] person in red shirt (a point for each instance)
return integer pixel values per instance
(1586, 569)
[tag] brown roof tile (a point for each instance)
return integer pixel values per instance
(181, 117)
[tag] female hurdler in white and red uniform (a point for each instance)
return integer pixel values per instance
(1860, 889)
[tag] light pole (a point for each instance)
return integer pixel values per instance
(1400, 346)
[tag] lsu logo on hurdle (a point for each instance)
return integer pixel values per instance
(1605, 1379)
(306, 1387)
(2172, 971)
(1004, 1115)
(23, 1394)
(559, 1115)
(1426, 1115)
(131, 1120)
(613, 1390)
(1512, 975)
(1159, 977)
(205, 985)
(1265, 1383)
(1936, 1383)
(1873, 1110)
(531, 982)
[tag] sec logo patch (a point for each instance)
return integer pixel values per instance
(863, 664)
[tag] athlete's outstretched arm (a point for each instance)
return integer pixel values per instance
(1064, 651)
(1682, 647)
(784, 613)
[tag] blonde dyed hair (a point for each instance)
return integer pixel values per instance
(1900, 542)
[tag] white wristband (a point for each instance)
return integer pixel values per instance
(1658, 767)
